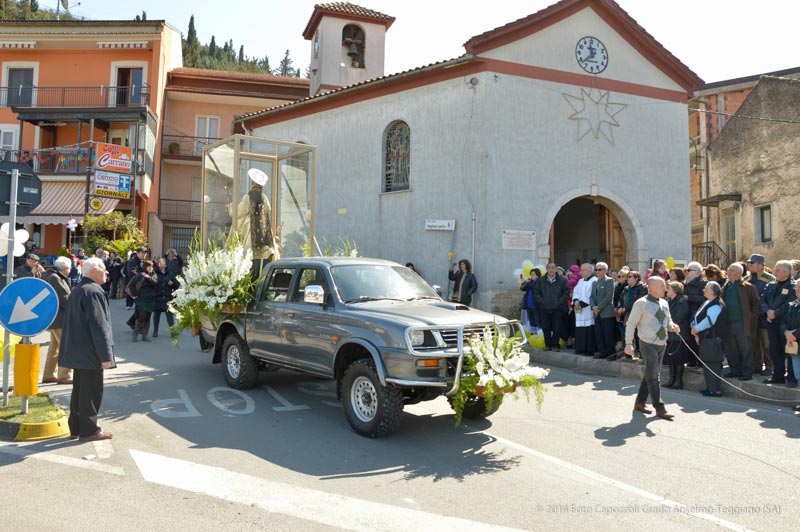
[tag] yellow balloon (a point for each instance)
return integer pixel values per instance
(526, 269)
(451, 255)
(670, 262)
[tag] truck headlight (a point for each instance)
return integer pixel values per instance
(417, 337)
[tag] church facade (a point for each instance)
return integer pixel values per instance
(560, 136)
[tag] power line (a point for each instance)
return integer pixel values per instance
(759, 118)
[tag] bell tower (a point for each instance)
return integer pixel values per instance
(347, 45)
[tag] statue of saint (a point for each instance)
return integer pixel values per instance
(253, 222)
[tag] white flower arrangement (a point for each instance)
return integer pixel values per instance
(493, 365)
(212, 279)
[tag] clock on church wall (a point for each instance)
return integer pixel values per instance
(591, 55)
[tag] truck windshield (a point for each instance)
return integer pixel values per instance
(365, 282)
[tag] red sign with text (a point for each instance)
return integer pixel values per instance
(113, 158)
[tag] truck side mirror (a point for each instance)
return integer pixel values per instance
(314, 294)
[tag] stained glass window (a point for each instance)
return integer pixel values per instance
(397, 167)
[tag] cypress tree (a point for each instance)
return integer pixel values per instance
(191, 52)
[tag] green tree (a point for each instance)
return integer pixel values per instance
(212, 47)
(191, 52)
(34, 6)
(285, 66)
(142, 17)
(241, 54)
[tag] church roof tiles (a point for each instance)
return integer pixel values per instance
(344, 10)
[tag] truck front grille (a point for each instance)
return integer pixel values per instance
(450, 336)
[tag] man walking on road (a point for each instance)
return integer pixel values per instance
(87, 347)
(650, 316)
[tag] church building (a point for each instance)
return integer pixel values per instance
(559, 136)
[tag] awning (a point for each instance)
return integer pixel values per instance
(62, 201)
(714, 201)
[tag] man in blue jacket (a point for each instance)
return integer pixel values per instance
(774, 304)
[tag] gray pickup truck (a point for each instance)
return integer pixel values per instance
(373, 326)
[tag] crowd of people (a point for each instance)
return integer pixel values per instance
(147, 285)
(747, 315)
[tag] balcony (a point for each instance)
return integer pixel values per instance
(55, 161)
(172, 210)
(180, 146)
(19, 98)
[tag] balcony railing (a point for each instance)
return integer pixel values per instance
(710, 253)
(74, 97)
(179, 210)
(183, 145)
(56, 161)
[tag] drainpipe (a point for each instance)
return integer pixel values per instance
(474, 217)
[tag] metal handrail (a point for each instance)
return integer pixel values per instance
(710, 253)
(75, 97)
(185, 145)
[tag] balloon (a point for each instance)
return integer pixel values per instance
(536, 341)
(527, 266)
(517, 273)
(670, 262)
(542, 268)
(451, 255)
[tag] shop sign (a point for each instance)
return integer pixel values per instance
(112, 185)
(113, 158)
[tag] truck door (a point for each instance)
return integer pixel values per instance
(310, 333)
(268, 319)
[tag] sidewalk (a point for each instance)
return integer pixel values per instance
(692, 378)
(123, 348)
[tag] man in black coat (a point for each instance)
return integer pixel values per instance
(87, 346)
(693, 287)
(57, 278)
(550, 296)
(132, 269)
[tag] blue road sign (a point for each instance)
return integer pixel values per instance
(28, 306)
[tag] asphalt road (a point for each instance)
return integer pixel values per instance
(191, 454)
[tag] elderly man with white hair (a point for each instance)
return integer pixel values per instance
(584, 316)
(88, 348)
(743, 306)
(693, 291)
(774, 303)
(58, 277)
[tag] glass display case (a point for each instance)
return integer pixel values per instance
(264, 190)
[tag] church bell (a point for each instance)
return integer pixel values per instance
(353, 51)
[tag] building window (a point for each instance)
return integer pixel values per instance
(20, 87)
(207, 132)
(8, 143)
(353, 46)
(398, 157)
(763, 224)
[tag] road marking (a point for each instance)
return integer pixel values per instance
(287, 406)
(249, 404)
(304, 503)
(14, 450)
(676, 506)
(163, 407)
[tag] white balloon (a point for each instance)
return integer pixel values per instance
(19, 249)
(21, 235)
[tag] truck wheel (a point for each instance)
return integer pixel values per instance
(475, 407)
(371, 409)
(239, 368)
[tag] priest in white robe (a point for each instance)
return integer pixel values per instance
(584, 317)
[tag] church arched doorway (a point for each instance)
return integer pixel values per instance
(588, 229)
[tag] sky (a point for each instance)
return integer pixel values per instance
(717, 39)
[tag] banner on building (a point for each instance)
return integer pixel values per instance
(113, 158)
(112, 184)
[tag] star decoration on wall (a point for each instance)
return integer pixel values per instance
(595, 113)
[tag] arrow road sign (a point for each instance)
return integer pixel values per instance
(24, 315)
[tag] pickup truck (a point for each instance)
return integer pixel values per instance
(373, 326)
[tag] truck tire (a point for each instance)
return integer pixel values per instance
(371, 409)
(239, 368)
(475, 407)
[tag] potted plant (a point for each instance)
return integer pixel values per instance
(174, 148)
(495, 364)
(214, 282)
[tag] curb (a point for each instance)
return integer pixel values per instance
(34, 431)
(693, 379)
